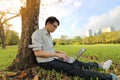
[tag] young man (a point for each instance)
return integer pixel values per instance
(48, 58)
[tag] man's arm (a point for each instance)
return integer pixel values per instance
(44, 54)
(61, 52)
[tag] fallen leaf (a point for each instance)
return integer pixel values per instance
(36, 77)
(11, 73)
(3, 77)
(22, 75)
(116, 71)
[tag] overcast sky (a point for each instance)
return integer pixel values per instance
(77, 16)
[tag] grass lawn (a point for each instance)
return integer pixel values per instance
(98, 53)
(7, 56)
(101, 51)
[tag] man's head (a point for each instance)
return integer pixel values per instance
(51, 23)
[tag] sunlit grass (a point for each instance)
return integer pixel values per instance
(7, 55)
(101, 52)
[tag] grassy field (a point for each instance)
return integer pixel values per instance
(101, 52)
(7, 55)
(98, 53)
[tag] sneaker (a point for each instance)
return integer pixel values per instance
(114, 77)
(118, 77)
(106, 65)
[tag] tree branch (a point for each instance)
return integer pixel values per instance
(10, 18)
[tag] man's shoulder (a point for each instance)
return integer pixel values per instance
(37, 31)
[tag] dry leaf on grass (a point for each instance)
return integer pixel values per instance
(36, 77)
(22, 75)
(116, 71)
(11, 73)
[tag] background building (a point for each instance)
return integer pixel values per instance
(107, 29)
(97, 32)
(64, 37)
(89, 33)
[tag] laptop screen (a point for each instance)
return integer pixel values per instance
(80, 53)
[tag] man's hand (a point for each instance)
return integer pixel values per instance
(62, 56)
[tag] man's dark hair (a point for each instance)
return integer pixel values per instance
(52, 19)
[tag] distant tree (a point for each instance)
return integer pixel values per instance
(77, 40)
(3, 21)
(12, 37)
(54, 43)
(104, 38)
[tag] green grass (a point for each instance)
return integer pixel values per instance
(7, 55)
(102, 52)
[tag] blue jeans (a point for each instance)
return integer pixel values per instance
(77, 68)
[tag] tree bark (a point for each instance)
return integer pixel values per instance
(2, 37)
(30, 17)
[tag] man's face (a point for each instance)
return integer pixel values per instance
(52, 27)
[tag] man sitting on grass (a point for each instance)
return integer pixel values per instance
(48, 58)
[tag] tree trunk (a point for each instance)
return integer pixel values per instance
(30, 15)
(2, 37)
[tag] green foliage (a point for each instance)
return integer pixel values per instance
(104, 38)
(54, 43)
(12, 37)
(0, 42)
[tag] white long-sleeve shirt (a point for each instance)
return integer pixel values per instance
(42, 40)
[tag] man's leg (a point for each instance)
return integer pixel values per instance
(88, 65)
(75, 70)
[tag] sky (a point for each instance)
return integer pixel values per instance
(76, 16)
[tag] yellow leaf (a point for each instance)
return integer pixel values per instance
(11, 73)
(116, 71)
(36, 77)
(22, 75)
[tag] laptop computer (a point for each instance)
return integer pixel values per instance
(77, 55)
